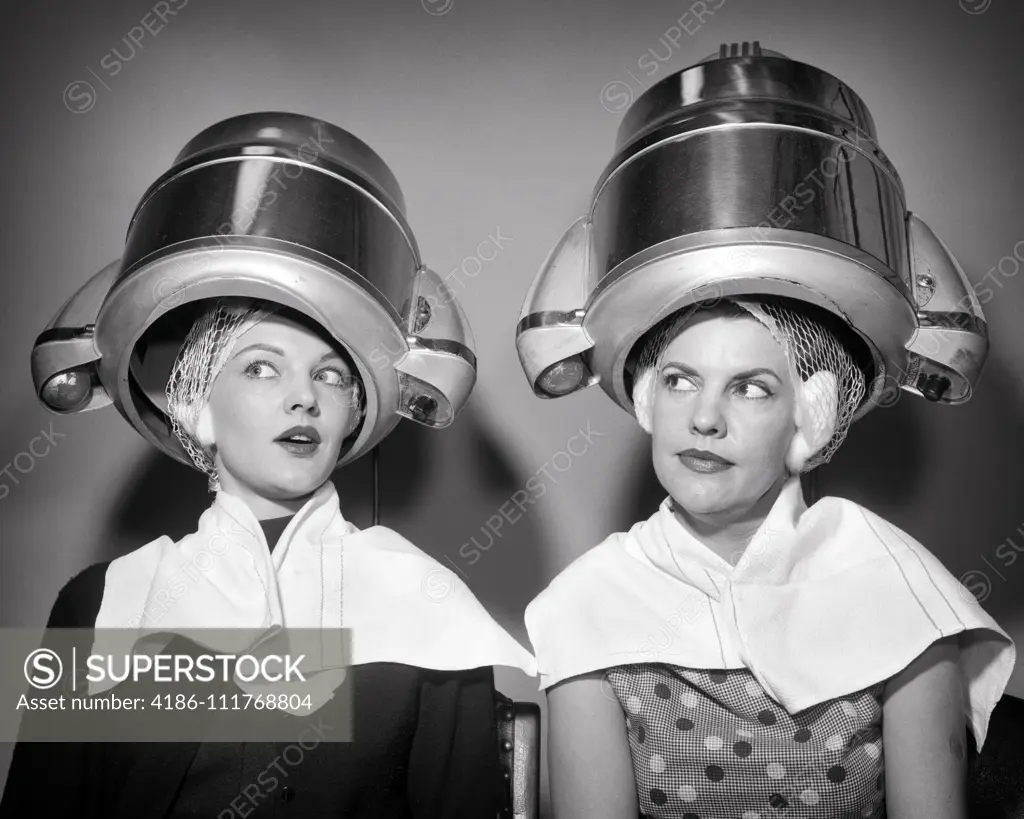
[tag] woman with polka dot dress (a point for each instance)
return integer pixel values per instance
(740, 654)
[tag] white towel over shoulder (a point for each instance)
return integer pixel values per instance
(400, 605)
(826, 601)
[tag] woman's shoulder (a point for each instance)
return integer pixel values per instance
(604, 563)
(382, 539)
(583, 598)
(379, 550)
(78, 601)
(846, 533)
(408, 607)
(835, 511)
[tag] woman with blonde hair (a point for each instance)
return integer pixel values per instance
(741, 653)
(260, 367)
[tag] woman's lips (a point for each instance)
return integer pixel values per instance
(703, 462)
(301, 441)
(299, 449)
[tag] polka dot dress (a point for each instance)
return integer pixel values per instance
(713, 745)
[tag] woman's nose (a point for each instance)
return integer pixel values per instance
(302, 398)
(707, 416)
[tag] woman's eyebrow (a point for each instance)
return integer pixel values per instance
(268, 348)
(329, 355)
(756, 372)
(737, 377)
(683, 367)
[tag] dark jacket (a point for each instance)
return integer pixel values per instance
(425, 746)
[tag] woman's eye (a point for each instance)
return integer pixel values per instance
(753, 390)
(677, 382)
(261, 369)
(335, 378)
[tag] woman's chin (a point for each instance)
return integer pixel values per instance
(290, 484)
(698, 496)
(703, 507)
(298, 475)
(300, 486)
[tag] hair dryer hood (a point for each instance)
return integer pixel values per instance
(272, 206)
(750, 173)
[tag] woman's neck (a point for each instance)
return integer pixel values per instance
(728, 533)
(263, 508)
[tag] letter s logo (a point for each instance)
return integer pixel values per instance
(43, 668)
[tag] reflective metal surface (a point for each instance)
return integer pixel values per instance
(751, 173)
(136, 356)
(305, 139)
(743, 80)
(288, 179)
(711, 267)
(751, 176)
(278, 207)
(759, 142)
(228, 204)
(68, 342)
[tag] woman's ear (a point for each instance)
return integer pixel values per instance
(817, 402)
(643, 398)
(204, 427)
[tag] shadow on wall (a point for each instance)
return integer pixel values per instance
(441, 489)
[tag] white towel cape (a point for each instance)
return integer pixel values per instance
(826, 601)
(401, 605)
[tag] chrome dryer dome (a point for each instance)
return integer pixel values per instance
(750, 173)
(272, 206)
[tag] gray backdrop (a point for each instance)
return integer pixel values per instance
(495, 117)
